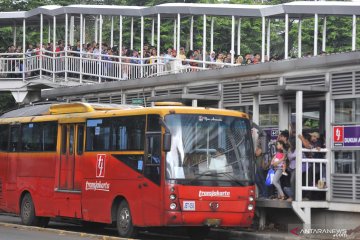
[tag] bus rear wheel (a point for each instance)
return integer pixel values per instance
(124, 223)
(27, 211)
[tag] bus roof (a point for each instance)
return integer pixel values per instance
(63, 108)
(90, 110)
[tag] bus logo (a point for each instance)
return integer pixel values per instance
(100, 165)
(338, 134)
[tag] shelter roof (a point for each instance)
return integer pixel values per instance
(297, 9)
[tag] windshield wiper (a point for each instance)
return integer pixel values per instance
(214, 173)
(232, 178)
(210, 173)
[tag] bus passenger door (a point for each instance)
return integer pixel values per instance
(151, 184)
(68, 192)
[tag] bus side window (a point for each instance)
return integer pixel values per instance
(80, 140)
(4, 133)
(63, 138)
(14, 138)
(153, 160)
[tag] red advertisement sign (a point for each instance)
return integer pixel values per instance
(338, 133)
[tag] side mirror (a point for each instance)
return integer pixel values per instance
(166, 142)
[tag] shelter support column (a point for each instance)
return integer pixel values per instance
(283, 114)
(298, 169)
(329, 115)
(256, 111)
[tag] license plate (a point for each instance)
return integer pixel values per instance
(189, 205)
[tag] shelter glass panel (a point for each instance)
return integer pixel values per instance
(269, 115)
(347, 162)
(347, 110)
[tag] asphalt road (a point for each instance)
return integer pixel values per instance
(11, 229)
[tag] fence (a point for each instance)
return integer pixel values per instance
(90, 67)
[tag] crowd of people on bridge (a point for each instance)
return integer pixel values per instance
(170, 60)
(280, 155)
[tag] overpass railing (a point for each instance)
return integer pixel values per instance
(91, 67)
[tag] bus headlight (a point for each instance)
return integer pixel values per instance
(251, 198)
(250, 207)
(173, 206)
(172, 196)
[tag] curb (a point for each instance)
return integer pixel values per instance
(264, 235)
(61, 232)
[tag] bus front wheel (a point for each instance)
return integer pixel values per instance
(124, 223)
(27, 211)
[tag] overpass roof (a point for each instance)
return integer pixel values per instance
(297, 9)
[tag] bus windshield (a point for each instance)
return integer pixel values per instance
(209, 150)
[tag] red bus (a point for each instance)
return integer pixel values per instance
(130, 166)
